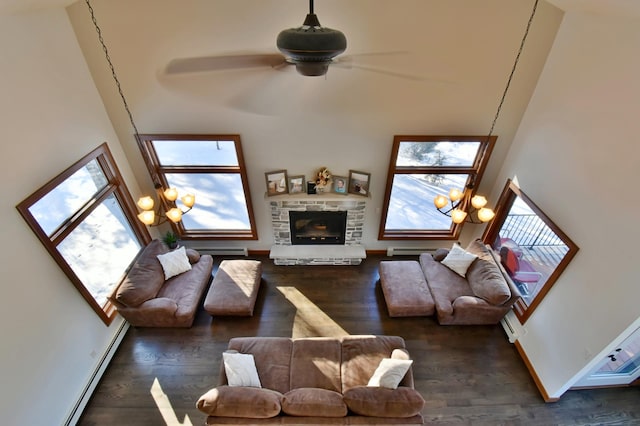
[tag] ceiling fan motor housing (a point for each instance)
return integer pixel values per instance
(311, 47)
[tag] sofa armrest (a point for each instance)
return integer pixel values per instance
(473, 310)
(149, 312)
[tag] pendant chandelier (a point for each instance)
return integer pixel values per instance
(166, 197)
(463, 206)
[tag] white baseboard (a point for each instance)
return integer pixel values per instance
(102, 365)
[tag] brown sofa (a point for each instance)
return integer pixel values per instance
(146, 299)
(315, 380)
(483, 296)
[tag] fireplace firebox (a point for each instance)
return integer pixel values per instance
(317, 227)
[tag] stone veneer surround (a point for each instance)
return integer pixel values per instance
(284, 253)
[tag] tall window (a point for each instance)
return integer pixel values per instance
(85, 217)
(212, 168)
(422, 167)
(533, 250)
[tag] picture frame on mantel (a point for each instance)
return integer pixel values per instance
(297, 185)
(359, 183)
(340, 185)
(277, 182)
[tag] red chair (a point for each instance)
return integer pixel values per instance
(520, 270)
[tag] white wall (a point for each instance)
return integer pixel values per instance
(463, 50)
(576, 154)
(51, 116)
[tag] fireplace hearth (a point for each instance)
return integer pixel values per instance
(317, 227)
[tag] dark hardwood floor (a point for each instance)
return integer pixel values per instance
(469, 375)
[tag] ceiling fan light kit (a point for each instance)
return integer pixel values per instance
(311, 47)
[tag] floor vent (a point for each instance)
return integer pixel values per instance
(407, 251)
(218, 251)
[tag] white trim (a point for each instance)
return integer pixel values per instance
(94, 379)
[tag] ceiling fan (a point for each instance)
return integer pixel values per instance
(310, 47)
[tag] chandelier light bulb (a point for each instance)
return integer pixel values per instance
(478, 201)
(175, 215)
(171, 194)
(145, 203)
(147, 217)
(455, 194)
(188, 200)
(458, 216)
(440, 201)
(485, 215)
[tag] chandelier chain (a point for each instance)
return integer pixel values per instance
(513, 69)
(113, 71)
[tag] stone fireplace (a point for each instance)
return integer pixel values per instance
(345, 250)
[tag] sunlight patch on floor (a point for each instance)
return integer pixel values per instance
(164, 405)
(310, 321)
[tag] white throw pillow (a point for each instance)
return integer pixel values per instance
(459, 260)
(241, 369)
(174, 263)
(390, 372)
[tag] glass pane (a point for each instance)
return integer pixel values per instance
(220, 201)
(411, 202)
(196, 153)
(529, 250)
(101, 248)
(67, 198)
(437, 154)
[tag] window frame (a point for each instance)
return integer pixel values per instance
(475, 173)
(508, 196)
(115, 186)
(158, 174)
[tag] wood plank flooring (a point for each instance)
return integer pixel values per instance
(469, 375)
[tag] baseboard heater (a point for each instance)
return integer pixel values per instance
(408, 251)
(102, 365)
(509, 329)
(233, 251)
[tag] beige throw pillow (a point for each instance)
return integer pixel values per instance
(174, 263)
(390, 373)
(241, 370)
(459, 260)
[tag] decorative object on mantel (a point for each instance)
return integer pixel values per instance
(340, 185)
(277, 183)
(168, 197)
(322, 180)
(463, 200)
(359, 182)
(296, 184)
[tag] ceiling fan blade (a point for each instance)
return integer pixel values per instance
(225, 62)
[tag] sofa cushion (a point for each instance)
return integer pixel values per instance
(240, 369)
(254, 403)
(315, 363)
(361, 355)
(384, 402)
(390, 373)
(484, 276)
(458, 260)
(272, 356)
(174, 263)
(145, 278)
(314, 402)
